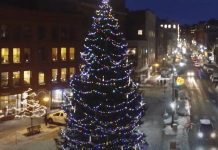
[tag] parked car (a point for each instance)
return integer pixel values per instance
(206, 130)
(57, 117)
(214, 77)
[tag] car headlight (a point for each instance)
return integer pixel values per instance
(213, 135)
(192, 73)
(188, 74)
(200, 134)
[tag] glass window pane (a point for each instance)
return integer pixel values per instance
(16, 55)
(16, 78)
(5, 55)
(54, 54)
(26, 55)
(54, 74)
(41, 78)
(27, 77)
(72, 51)
(56, 98)
(72, 71)
(12, 104)
(4, 105)
(4, 32)
(63, 74)
(4, 79)
(63, 54)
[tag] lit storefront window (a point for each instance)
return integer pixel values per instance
(165, 26)
(12, 104)
(63, 54)
(41, 78)
(26, 55)
(54, 54)
(54, 75)
(140, 32)
(174, 26)
(4, 79)
(131, 51)
(27, 76)
(16, 78)
(169, 26)
(63, 74)
(57, 98)
(4, 105)
(72, 71)
(72, 53)
(5, 55)
(16, 55)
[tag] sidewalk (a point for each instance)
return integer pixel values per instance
(153, 125)
(20, 141)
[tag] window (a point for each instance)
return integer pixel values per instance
(63, 53)
(174, 26)
(161, 25)
(5, 55)
(16, 55)
(4, 32)
(16, 78)
(165, 26)
(72, 34)
(57, 114)
(139, 32)
(26, 55)
(27, 32)
(54, 33)
(72, 51)
(27, 76)
(63, 33)
(16, 33)
(131, 51)
(54, 54)
(63, 74)
(41, 55)
(4, 79)
(54, 75)
(41, 33)
(169, 26)
(41, 78)
(72, 71)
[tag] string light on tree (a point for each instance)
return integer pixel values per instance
(108, 110)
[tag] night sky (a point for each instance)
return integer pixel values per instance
(182, 11)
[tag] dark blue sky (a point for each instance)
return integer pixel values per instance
(182, 11)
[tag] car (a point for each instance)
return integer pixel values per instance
(57, 117)
(214, 77)
(206, 130)
(190, 74)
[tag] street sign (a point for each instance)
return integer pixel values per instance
(180, 80)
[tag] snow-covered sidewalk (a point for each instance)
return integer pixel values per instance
(42, 141)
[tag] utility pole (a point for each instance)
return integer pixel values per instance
(173, 86)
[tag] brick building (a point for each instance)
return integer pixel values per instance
(39, 50)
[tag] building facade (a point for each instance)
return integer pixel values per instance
(39, 50)
(140, 34)
(167, 35)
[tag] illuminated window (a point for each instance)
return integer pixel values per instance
(16, 55)
(54, 54)
(63, 53)
(72, 71)
(72, 52)
(139, 32)
(27, 76)
(54, 75)
(161, 25)
(26, 55)
(16, 78)
(4, 79)
(4, 32)
(41, 78)
(174, 26)
(131, 51)
(169, 26)
(4, 55)
(165, 26)
(63, 74)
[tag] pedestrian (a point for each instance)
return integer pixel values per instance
(157, 82)
(4, 110)
(45, 119)
(161, 82)
(165, 81)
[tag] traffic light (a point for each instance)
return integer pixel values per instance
(176, 93)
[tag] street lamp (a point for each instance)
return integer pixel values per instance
(46, 100)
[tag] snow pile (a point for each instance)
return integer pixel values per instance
(182, 134)
(168, 120)
(169, 131)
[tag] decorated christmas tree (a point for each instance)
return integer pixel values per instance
(105, 109)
